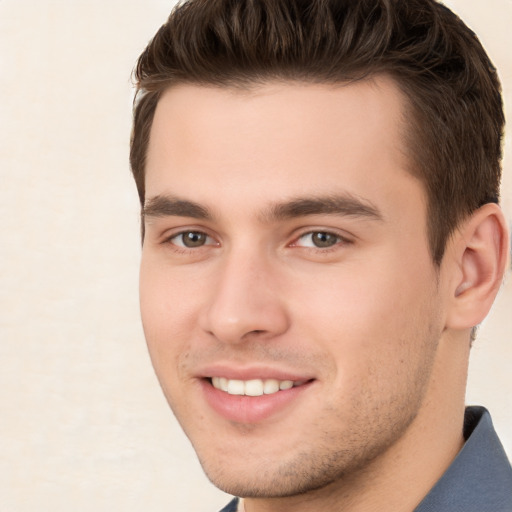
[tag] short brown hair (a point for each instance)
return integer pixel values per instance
(455, 112)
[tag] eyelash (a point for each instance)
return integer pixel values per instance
(340, 240)
(182, 248)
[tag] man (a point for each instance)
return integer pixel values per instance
(319, 184)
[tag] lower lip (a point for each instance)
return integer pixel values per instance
(250, 409)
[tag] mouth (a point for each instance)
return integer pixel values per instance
(253, 400)
(253, 387)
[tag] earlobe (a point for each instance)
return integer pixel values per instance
(481, 247)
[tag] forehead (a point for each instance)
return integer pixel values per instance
(277, 140)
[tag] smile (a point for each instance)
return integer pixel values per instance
(253, 387)
(253, 400)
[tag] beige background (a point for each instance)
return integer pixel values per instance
(83, 424)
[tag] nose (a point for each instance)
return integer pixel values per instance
(245, 301)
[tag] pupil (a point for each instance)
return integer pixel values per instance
(321, 239)
(194, 239)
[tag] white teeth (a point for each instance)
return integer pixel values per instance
(254, 387)
(285, 384)
(270, 386)
(236, 387)
(223, 384)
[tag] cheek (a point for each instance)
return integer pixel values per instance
(369, 321)
(356, 302)
(167, 295)
(167, 314)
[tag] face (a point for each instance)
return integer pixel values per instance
(289, 301)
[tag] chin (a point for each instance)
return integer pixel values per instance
(303, 474)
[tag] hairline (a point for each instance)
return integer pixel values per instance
(409, 129)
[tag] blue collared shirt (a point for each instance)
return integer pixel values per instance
(478, 480)
(480, 477)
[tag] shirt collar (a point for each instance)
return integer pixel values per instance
(480, 477)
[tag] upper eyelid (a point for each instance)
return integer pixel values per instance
(177, 231)
(340, 239)
(181, 248)
(184, 231)
(331, 231)
(171, 233)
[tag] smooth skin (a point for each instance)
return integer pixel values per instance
(242, 270)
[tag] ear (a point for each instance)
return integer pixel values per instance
(480, 248)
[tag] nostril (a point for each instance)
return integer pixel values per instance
(255, 333)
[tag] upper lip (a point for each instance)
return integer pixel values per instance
(232, 372)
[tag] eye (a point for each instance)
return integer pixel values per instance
(319, 240)
(191, 239)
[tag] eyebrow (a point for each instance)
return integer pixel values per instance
(169, 206)
(345, 205)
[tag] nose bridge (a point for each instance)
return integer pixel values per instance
(245, 299)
